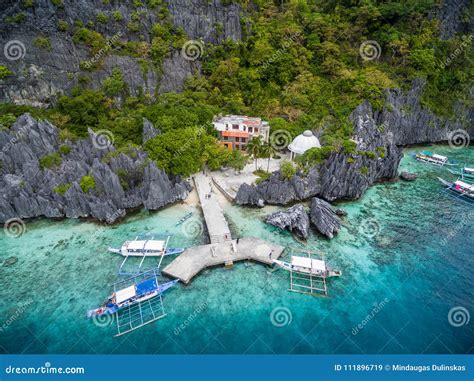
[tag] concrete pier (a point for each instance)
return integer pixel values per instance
(216, 223)
(198, 258)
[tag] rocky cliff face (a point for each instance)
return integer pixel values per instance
(403, 121)
(122, 181)
(41, 73)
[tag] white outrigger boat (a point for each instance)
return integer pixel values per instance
(308, 266)
(432, 158)
(148, 248)
(464, 172)
(145, 248)
(459, 190)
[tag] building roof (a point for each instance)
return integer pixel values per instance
(247, 120)
(304, 142)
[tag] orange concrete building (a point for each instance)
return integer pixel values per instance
(236, 130)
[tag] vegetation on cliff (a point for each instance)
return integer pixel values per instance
(302, 64)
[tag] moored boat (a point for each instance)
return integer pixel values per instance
(131, 295)
(432, 158)
(186, 217)
(465, 173)
(308, 266)
(459, 189)
(147, 248)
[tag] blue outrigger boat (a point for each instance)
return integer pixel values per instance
(135, 301)
(464, 173)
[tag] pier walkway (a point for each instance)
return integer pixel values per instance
(198, 258)
(216, 223)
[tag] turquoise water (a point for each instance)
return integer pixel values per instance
(405, 251)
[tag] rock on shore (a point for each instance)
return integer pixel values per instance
(122, 180)
(324, 217)
(295, 219)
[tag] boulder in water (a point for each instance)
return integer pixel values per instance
(324, 217)
(295, 219)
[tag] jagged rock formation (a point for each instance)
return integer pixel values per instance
(122, 181)
(295, 219)
(43, 73)
(149, 132)
(402, 121)
(324, 217)
(452, 16)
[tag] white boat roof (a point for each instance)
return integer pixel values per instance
(440, 157)
(125, 294)
(146, 245)
(309, 263)
(464, 185)
(466, 169)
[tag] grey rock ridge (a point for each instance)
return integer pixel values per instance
(402, 121)
(122, 180)
(42, 74)
(324, 217)
(295, 219)
(149, 132)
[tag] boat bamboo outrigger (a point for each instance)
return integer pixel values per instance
(145, 248)
(465, 173)
(135, 302)
(434, 159)
(308, 275)
(460, 190)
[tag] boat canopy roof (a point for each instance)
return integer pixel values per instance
(315, 264)
(462, 184)
(148, 245)
(468, 170)
(440, 157)
(125, 294)
(147, 286)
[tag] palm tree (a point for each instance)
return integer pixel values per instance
(268, 150)
(254, 148)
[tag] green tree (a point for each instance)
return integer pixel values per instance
(254, 148)
(287, 170)
(237, 160)
(268, 151)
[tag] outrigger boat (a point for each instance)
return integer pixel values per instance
(459, 189)
(434, 159)
(135, 302)
(186, 217)
(145, 248)
(308, 266)
(148, 248)
(464, 172)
